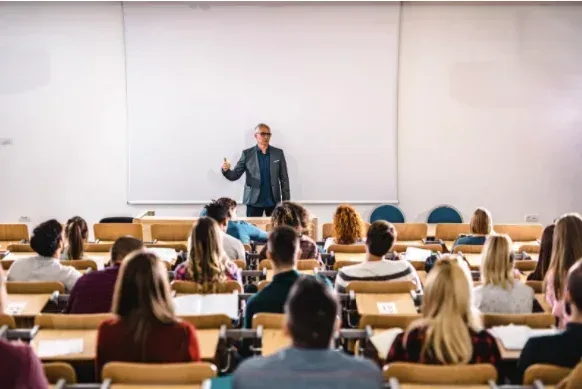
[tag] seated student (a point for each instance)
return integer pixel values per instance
(481, 226)
(47, 242)
(93, 293)
(450, 332)
(500, 292)
(233, 247)
(295, 216)
(545, 255)
(380, 238)
(567, 249)
(19, 366)
(564, 348)
(76, 234)
(348, 227)
(207, 263)
(311, 317)
(239, 229)
(146, 328)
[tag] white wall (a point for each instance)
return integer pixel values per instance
(489, 111)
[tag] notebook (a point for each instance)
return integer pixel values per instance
(514, 337)
(416, 254)
(58, 347)
(383, 341)
(209, 304)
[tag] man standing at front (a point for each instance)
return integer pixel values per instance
(267, 180)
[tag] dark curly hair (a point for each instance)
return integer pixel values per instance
(291, 214)
(46, 238)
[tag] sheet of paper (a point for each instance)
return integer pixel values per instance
(55, 348)
(416, 254)
(383, 341)
(165, 254)
(387, 308)
(10, 256)
(210, 304)
(15, 308)
(514, 337)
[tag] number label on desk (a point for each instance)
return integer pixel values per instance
(387, 308)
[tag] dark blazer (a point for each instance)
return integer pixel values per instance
(562, 349)
(249, 164)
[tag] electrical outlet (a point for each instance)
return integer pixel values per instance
(24, 219)
(532, 218)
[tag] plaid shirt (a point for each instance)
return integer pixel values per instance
(308, 250)
(484, 348)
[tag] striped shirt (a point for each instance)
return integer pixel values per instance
(384, 270)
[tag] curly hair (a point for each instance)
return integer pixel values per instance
(291, 214)
(348, 225)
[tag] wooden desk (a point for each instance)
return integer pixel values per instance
(270, 273)
(89, 343)
(136, 386)
(356, 257)
(34, 303)
(541, 298)
(273, 341)
(430, 386)
(422, 277)
(208, 341)
(368, 303)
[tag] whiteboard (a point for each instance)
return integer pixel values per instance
(201, 76)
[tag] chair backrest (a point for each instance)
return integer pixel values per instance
(20, 248)
(34, 287)
(189, 287)
(416, 373)
(520, 232)
(537, 286)
(55, 371)
(373, 287)
(97, 247)
(525, 264)
(410, 231)
(339, 264)
(529, 248)
(112, 231)
(240, 263)
(261, 285)
(384, 322)
(444, 214)
(192, 373)
(171, 232)
(574, 379)
(548, 374)
(533, 320)
(468, 249)
(80, 264)
(71, 322)
(347, 248)
(13, 232)
(6, 320)
(266, 264)
(202, 322)
(268, 320)
(388, 212)
(307, 264)
(450, 231)
(6, 263)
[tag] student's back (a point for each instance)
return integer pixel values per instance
(481, 225)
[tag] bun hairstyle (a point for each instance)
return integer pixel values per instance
(46, 238)
(77, 233)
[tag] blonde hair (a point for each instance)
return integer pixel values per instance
(447, 311)
(567, 248)
(206, 258)
(348, 225)
(497, 265)
(481, 222)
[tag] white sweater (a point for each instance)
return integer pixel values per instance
(43, 269)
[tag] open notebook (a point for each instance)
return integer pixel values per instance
(208, 304)
(383, 341)
(514, 337)
(58, 347)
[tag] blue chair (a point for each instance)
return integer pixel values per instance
(444, 214)
(388, 212)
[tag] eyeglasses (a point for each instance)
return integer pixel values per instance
(266, 134)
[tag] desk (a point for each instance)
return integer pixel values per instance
(356, 257)
(89, 343)
(430, 386)
(136, 386)
(208, 341)
(368, 303)
(541, 298)
(34, 303)
(273, 341)
(270, 273)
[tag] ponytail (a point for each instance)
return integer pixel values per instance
(77, 233)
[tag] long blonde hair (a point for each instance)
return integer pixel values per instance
(206, 258)
(142, 297)
(567, 248)
(348, 225)
(497, 265)
(447, 313)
